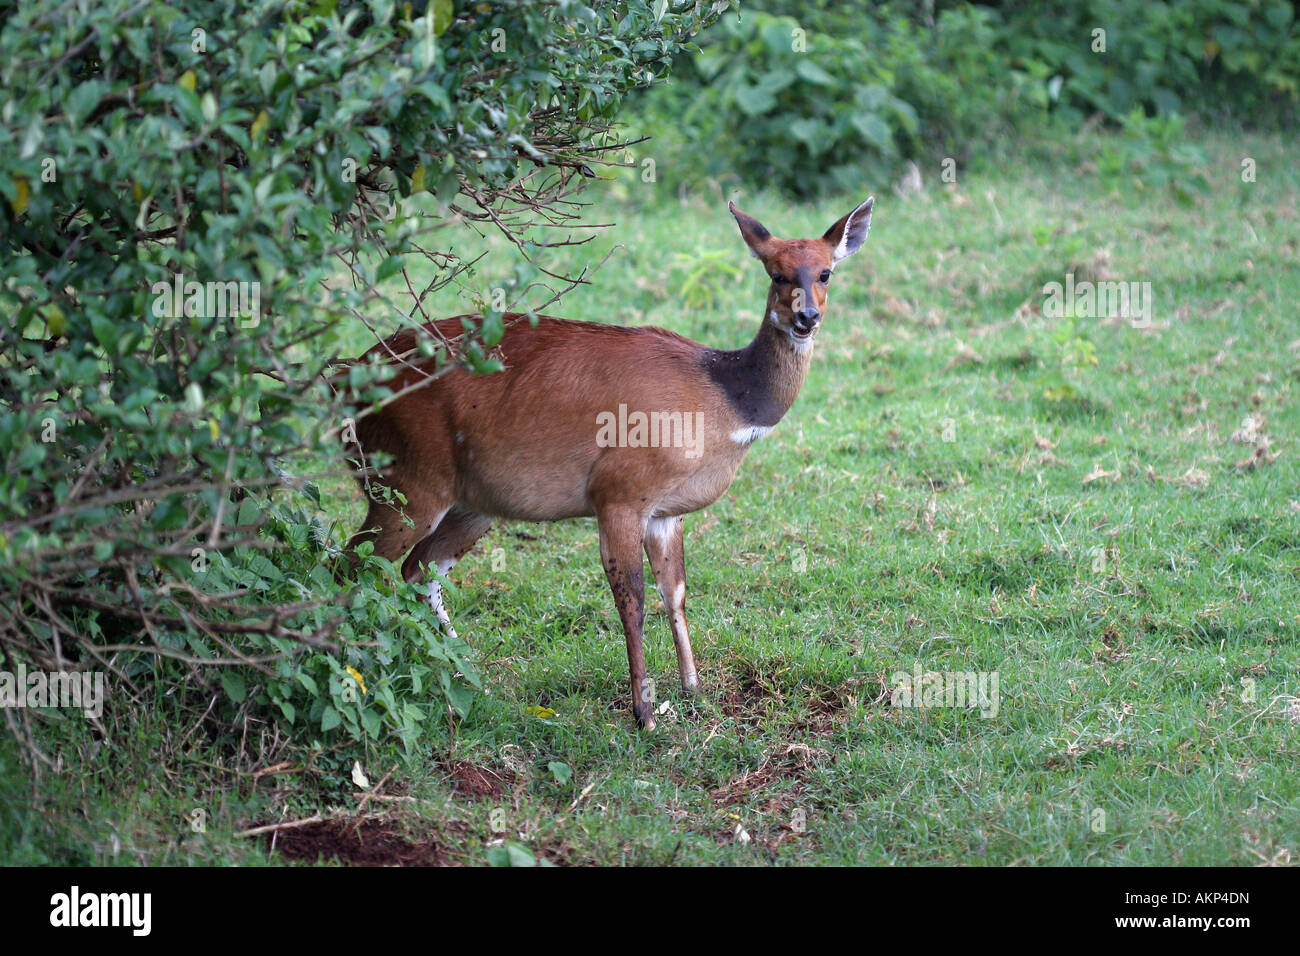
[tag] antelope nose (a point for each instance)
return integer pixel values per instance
(807, 318)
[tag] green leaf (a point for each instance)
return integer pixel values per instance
(753, 100)
(874, 130)
(810, 71)
(813, 133)
(388, 268)
(249, 513)
(169, 514)
(83, 100)
(510, 854)
(493, 329)
(442, 16)
(233, 682)
(458, 695)
(105, 331)
(311, 491)
(31, 456)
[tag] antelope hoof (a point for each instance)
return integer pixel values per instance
(645, 716)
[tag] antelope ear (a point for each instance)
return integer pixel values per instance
(847, 235)
(751, 230)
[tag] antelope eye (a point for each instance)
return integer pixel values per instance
(826, 277)
(779, 279)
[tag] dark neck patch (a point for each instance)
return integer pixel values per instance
(748, 377)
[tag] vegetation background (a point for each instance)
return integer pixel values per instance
(1104, 515)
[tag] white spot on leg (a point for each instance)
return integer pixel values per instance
(662, 530)
(435, 598)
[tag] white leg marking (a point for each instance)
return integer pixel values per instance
(435, 598)
(662, 529)
(682, 638)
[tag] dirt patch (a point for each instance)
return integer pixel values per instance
(477, 783)
(368, 843)
(791, 764)
(776, 795)
(755, 695)
(822, 713)
(1084, 752)
(559, 853)
(749, 699)
(829, 708)
(1113, 647)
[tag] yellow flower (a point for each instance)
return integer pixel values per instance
(539, 711)
(21, 194)
(56, 320)
(356, 676)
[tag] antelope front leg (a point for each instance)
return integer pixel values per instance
(667, 554)
(621, 533)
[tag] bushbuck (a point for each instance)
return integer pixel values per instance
(636, 426)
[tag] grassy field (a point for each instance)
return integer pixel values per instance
(958, 489)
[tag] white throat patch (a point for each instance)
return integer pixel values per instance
(799, 345)
(749, 434)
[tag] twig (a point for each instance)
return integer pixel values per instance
(374, 794)
(289, 825)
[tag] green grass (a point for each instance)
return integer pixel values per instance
(1105, 554)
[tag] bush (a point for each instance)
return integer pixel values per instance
(779, 105)
(1208, 56)
(197, 201)
(841, 93)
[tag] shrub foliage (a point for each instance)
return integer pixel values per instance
(808, 98)
(196, 198)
